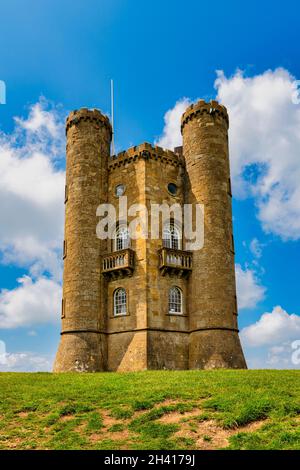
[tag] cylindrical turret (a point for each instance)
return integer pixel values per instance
(83, 343)
(214, 340)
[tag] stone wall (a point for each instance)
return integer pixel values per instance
(83, 339)
(148, 336)
(145, 171)
(212, 290)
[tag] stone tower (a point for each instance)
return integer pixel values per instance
(83, 341)
(148, 303)
(214, 340)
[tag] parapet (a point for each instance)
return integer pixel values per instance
(202, 107)
(146, 151)
(85, 114)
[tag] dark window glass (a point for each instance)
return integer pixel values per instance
(172, 188)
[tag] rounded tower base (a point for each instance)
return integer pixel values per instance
(81, 352)
(216, 349)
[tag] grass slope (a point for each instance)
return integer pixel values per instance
(151, 410)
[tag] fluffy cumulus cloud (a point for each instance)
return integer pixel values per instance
(272, 328)
(31, 303)
(31, 215)
(249, 289)
(264, 143)
(42, 122)
(256, 248)
(274, 340)
(171, 136)
(31, 186)
(23, 361)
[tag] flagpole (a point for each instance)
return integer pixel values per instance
(112, 116)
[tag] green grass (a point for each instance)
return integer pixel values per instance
(151, 410)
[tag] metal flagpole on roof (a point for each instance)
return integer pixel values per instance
(112, 117)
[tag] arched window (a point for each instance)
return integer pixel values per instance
(175, 300)
(120, 302)
(171, 236)
(121, 238)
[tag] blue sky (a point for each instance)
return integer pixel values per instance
(161, 55)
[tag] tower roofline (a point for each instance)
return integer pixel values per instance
(202, 107)
(147, 152)
(85, 114)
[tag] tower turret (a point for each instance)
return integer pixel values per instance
(83, 341)
(214, 340)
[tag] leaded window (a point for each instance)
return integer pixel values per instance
(120, 302)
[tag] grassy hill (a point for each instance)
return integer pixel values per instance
(151, 410)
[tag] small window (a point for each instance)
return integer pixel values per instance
(63, 308)
(121, 239)
(65, 249)
(66, 193)
(119, 190)
(232, 244)
(229, 187)
(235, 306)
(120, 302)
(175, 300)
(172, 188)
(171, 237)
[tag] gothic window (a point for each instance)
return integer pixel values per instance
(171, 237)
(120, 302)
(121, 239)
(175, 300)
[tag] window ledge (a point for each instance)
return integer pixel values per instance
(177, 314)
(120, 316)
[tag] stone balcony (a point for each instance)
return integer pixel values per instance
(178, 262)
(118, 264)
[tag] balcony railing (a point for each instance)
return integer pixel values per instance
(175, 261)
(118, 264)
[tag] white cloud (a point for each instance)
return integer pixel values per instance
(284, 357)
(32, 333)
(171, 136)
(256, 248)
(249, 289)
(279, 357)
(2, 349)
(26, 362)
(41, 120)
(273, 341)
(264, 145)
(30, 303)
(23, 361)
(32, 188)
(31, 215)
(272, 329)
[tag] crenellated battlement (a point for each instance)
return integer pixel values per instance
(203, 107)
(148, 152)
(85, 114)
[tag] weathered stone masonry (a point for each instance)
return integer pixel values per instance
(148, 336)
